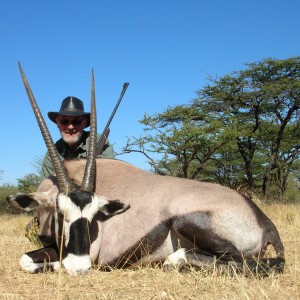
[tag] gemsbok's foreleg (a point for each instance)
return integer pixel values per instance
(44, 259)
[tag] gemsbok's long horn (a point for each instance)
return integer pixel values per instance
(63, 182)
(88, 181)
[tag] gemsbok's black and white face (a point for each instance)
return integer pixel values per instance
(74, 215)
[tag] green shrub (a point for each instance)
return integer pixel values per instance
(5, 191)
(292, 193)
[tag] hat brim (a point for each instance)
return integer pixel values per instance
(53, 115)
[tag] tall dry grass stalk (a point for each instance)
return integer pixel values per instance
(148, 283)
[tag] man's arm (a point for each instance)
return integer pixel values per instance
(108, 151)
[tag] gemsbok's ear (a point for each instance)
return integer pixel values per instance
(22, 201)
(111, 207)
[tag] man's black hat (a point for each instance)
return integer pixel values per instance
(71, 106)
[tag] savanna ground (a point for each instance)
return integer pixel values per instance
(148, 283)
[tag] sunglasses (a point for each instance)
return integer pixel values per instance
(73, 122)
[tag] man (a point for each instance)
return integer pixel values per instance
(71, 121)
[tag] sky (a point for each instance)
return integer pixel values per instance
(165, 49)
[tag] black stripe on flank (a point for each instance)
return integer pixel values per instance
(79, 240)
(198, 229)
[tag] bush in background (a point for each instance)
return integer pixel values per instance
(5, 191)
(27, 184)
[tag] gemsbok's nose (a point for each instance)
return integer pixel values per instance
(77, 264)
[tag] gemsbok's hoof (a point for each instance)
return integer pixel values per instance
(175, 261)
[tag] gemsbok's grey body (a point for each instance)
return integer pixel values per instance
(165, 219)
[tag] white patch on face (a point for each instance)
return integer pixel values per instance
(71, 213)
(92, 208)
(28, 265)
(77, 264)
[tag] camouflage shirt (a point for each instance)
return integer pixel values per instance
(80, 152)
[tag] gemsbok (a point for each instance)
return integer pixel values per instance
(173, 221)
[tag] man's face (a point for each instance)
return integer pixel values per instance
(71, 129)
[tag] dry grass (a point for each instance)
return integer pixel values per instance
(148, 283)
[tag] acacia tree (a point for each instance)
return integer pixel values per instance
(276, 84)
(185, 143)
(242, 128)
(281, 160)
(263, 103)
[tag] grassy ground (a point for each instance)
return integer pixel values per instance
(148, 283)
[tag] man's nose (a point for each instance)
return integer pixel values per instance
(70, 126)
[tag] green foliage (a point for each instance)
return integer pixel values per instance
(292, 193)
(27, 184)
(5, 191)
(37, 164)
(242, 130)
(32, 232)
